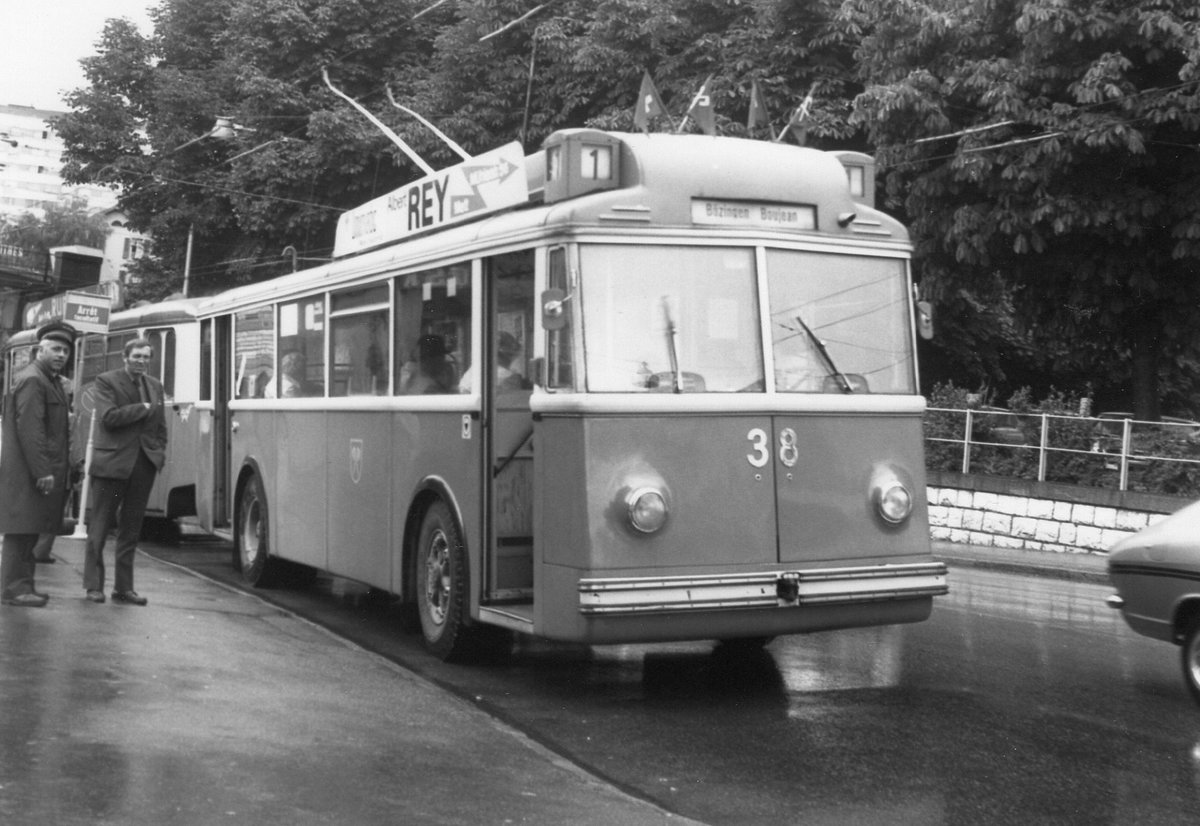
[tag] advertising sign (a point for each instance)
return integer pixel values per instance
(487, 183)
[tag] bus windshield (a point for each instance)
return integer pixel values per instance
(839, 323)
(670, 319)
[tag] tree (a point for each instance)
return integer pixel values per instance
(1065, 188)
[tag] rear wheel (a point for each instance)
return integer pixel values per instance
(252, 546)
(1190, 659)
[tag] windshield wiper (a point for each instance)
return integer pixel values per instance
(842, 381)
(672, 347)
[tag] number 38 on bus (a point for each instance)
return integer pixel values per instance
(631, 388)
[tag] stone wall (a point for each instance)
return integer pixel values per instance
(1037, 516)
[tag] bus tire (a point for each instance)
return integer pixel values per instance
(441, 580)
(252, 540)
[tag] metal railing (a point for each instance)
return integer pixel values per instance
(1111, 451)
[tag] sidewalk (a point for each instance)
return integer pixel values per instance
(212, 706)
(1086, 567)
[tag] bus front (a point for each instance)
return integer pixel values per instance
(729, 442)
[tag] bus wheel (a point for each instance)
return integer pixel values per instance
(253, 537)
(442, 584)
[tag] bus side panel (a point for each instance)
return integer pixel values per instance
(443, 449)
(205, 483)
(180, 469)
(825, 510)
(298, 483)
(358, 468)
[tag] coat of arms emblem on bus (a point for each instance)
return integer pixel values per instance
(356, 460)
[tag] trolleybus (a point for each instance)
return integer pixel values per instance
(631, 388)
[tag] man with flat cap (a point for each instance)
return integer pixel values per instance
(34, 463)
(129, 449)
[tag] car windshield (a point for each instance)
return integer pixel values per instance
(840, 323)
(670, 319)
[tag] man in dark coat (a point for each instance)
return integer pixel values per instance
(129, 450)
(34, 463)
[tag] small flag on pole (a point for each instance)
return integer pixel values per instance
(649, 104)
(702, 110)
(799, 117)
(759, 116)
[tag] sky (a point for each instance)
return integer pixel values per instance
(42, 41)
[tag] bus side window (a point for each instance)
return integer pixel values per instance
(358, 335)
(301, 350)
(559, 362)
(433, 330)
(253, 351)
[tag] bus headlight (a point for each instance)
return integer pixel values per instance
(891, 494)
(647, 509)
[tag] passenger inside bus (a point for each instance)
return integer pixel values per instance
(507, 379)
(430, 371)
(292, 366)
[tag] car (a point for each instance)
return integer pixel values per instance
(1156, 573)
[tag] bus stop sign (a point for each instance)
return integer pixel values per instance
(86, 312)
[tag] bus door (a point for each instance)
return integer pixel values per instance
(508, 476)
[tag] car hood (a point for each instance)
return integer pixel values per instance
(1174, 540)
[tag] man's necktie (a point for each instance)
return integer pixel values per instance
(143, 391)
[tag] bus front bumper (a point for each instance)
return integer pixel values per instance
(768, 589)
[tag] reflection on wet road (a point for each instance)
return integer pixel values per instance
(1021, 700)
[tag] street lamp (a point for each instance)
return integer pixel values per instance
(223, 130)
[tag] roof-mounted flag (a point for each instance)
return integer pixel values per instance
(649, 104)
(702, 110)
(759, 116)
(799, 117)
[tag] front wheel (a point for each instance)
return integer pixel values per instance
(252, 540)
(1190, 659)
(442, 583)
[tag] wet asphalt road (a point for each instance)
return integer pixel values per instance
(1022, 700)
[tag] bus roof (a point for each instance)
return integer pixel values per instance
(697, 183)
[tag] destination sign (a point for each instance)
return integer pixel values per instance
(487, 183)
(756, 215)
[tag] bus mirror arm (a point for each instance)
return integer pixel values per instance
(925, 319)
(554, 311)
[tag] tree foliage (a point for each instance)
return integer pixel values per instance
(1067, 186)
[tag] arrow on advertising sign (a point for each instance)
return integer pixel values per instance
(476, 177)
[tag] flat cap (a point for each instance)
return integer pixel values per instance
(57, 331)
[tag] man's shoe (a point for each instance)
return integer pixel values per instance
(95, 596)
(47, 561)
(26, 600)
(129, 597)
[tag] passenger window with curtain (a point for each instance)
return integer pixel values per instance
(301, 349)
(253, 352)
(358, 339)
